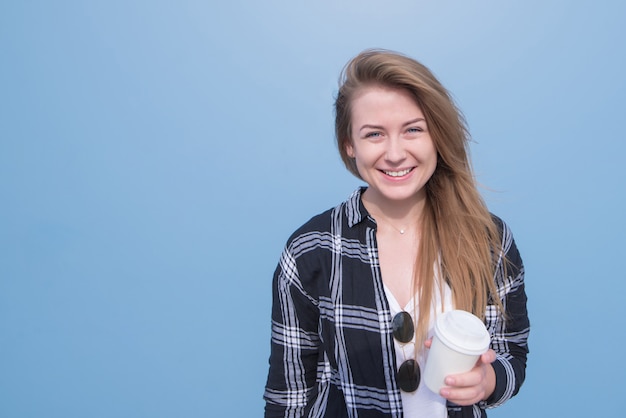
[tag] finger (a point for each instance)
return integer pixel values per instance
(428, 342)
(471, 378)
(488, 357)
(472, 386)
(463, 396)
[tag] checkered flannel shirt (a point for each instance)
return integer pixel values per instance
(332, 350)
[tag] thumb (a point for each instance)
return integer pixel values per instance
(488, 357)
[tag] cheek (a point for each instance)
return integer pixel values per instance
(433, 153)
(431, 159)
(435, 165)
(435, 156)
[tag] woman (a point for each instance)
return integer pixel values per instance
(418, 240)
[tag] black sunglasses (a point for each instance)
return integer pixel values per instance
(408, 376)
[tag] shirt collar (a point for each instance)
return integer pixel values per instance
(355, 210)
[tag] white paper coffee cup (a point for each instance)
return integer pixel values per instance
(460, 339)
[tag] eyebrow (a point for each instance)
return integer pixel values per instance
(367, 126)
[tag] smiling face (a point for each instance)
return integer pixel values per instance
(391, 145)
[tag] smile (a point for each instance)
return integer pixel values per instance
(397, 173)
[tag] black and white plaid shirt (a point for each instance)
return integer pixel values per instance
(332, 349)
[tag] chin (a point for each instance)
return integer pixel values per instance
(401, 197)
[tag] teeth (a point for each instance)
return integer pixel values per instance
(398, 173)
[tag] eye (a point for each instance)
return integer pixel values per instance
(373, 134)
(415, 129)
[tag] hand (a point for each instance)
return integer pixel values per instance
(474, 386)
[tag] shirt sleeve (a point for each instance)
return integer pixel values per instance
(509, 333)
(294, 343)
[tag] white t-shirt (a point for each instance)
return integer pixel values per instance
(423, 402)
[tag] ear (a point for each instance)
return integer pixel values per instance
(349, 149)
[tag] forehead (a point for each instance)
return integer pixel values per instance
(382, 101)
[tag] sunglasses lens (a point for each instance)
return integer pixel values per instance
(409, 376)
(402, 326)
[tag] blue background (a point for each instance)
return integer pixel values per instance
(155, 156)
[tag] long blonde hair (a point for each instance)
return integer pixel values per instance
(456, 227)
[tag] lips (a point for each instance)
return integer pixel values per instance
(398, 173)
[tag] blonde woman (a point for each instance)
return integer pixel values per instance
(417, 241)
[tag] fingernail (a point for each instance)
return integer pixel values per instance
(449, 381)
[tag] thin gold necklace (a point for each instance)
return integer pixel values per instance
(400, 230)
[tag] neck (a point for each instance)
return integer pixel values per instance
(400, 212)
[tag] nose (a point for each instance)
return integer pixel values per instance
(395, 152)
